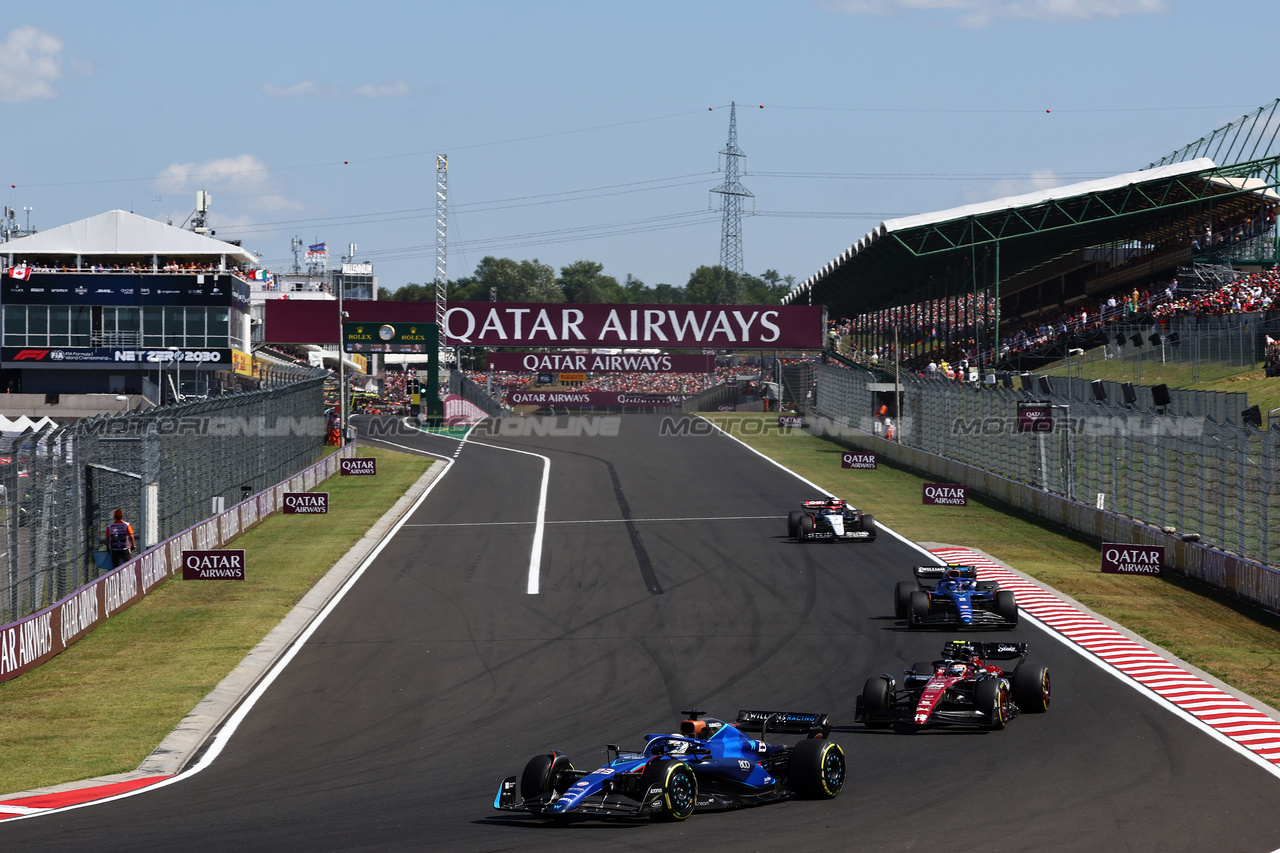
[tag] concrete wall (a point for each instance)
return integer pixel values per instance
(69, 406)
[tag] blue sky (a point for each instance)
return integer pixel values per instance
(582, 130)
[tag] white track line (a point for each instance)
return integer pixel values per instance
(597, 521)
(1073, 640)
(540, 522)
(223, 735)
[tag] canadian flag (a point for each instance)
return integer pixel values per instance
(23, 272)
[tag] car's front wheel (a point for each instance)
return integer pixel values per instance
(793, 523)
(543, 774)
(817, 769)
(1031, 688)
(679, 789)
(902, 598)
(917, 608)
(991, 697)
(875, 700)
(806, 528)
(1007, 607)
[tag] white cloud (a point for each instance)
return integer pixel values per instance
(245, 173)
(328, 92)
(29, 64)
(981, 13)
(1039, 180)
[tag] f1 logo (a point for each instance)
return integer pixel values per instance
(31, 354)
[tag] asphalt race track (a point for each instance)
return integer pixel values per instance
(666, 582)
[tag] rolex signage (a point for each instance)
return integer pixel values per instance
(390, 337)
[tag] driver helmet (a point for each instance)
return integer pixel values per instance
(956, 669)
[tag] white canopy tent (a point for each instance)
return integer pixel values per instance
(119, 233)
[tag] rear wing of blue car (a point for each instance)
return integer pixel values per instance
(935, 573)
(784, 722)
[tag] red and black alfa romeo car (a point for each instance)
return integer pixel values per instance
(962, 687)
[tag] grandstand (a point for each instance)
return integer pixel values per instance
(1017, 282)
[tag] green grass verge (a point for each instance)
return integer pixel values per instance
(1229, 639)
(106, 702)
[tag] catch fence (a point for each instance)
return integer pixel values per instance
(1193, 473)
(166, 469)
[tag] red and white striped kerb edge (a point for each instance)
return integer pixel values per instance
(1243, 724)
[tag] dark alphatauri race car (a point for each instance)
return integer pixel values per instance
(960, 688)
(709, 764)
(830, 518)
(953, 597)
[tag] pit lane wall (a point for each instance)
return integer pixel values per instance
(31, 641)
(1246, 579)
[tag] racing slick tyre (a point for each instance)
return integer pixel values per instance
(875, 699)
(1031, 688)
(991, 697)
(805, 529)
(543, 774)
(793, 523)
(1007, 607)
(902, 598)
(817, 769)
(679, 789)
(869, 526)
(918, 608)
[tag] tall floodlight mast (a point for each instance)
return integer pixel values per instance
(442, 239)
(731, 193)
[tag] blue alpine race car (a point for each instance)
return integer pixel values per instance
(709, 764)
(952, 596)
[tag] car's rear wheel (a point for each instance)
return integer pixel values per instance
(875, 700)
(869, 526)
(817, 769)
(544, 773)
(793, 523)
(902, 598)
(679, 789)
(806, 527)
(1031, 688)
(1007, 607)
(991, 697)
(917, 608)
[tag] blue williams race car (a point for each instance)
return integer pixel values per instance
(709, 764)
(952, 596)
(831, 519)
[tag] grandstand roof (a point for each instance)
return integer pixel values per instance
(1032, 231)
(119, 232)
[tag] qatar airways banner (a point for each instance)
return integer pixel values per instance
(577, 326)
(614, 399)
(513, 324)
(539, 362)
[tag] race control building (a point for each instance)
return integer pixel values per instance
(119, 303)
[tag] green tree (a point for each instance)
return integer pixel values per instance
(704, 287)
(582, 281)
(526, 281)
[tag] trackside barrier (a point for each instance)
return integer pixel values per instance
(1246, 579)
(31, 641)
